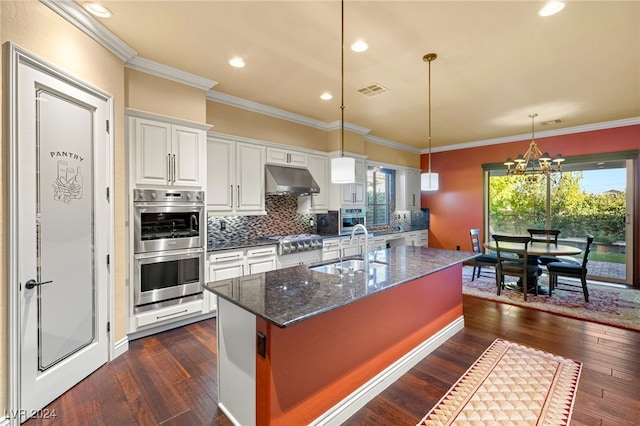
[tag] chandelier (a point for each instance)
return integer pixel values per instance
(534, 161)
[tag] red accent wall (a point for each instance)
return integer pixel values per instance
(315, 364)
(457, 206)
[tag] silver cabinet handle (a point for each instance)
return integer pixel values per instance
(168, 169)
(32, 284)
(231, 188)
(173, 171)
(238, 200)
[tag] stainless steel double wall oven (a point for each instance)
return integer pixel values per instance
(169, 238)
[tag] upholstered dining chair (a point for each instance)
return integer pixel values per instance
(568, 269)
(482, 259)
(513, 260)
(549, 236)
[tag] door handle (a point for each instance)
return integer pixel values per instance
(32, 284)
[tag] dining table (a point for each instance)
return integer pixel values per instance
(534, 251)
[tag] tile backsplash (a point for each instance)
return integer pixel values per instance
(282, 218)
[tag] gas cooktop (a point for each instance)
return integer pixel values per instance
(295, 243)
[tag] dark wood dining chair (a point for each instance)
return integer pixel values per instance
(482, 259)
(513, 260)
(567, 269)
(548, 236)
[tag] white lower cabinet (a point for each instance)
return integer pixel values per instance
(158, 316)
(261, 259)
(227, 264)
(330, 248)
(378, 243)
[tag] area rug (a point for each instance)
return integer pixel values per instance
(608, 305)
(510, 384)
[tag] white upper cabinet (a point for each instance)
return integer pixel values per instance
(235, 177)
(318, 166)
(407, 189)
(188, 164)
(287, 157)
(350, 195)
(167, 154)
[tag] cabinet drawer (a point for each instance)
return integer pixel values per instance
(169, 313)
(226, 256)
(261, 251)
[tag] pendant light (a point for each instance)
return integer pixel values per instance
(429, 180)
(343, 169)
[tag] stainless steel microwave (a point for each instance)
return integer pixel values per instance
(349, 218)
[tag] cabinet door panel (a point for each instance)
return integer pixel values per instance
(250, 177)
(261, 265)
(225, 272)
(220, 175)
(187, 149)
(153, 147)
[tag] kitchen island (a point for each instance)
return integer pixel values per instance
(298, 346)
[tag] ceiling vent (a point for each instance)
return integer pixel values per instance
(549, 122)
(374, 89)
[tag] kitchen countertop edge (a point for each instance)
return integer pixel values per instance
(406, 264)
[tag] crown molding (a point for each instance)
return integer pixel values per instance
(335, 125)
(234, 101)
(392, 144)
(81, 19)
(165, 71)
(73, 13)
(136, 113)
(544, 134)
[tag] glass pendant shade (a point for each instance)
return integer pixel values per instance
(343, 170)
(429, 182)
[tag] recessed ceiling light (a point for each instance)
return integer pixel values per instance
(326, 96)
(551, 8)
(359, 46)
(97, 10)
(237, 62)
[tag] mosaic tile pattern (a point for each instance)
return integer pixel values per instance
(282, 218)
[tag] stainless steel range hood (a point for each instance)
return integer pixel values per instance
(285, 180)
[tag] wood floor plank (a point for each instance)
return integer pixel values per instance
(170, 378)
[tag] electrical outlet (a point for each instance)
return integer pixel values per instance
(261, 344)
(223, 224)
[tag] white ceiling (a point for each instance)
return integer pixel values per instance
(498, 61)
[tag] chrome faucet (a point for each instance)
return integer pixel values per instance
(366, 243)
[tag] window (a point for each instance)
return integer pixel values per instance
(379, 184)
(591, 196)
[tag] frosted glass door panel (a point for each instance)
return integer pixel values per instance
(66, 306)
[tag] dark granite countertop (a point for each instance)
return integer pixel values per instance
(239, 244)
(290, 295)
(374, 232)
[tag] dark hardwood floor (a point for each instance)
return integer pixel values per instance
(170, 378)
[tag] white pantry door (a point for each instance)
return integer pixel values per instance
(62, 239)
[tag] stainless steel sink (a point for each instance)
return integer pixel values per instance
(351, 266)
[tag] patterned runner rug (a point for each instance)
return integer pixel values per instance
(607, 305)
(510, 384)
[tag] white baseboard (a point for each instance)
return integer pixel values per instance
(120, 347)
(346, 408)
